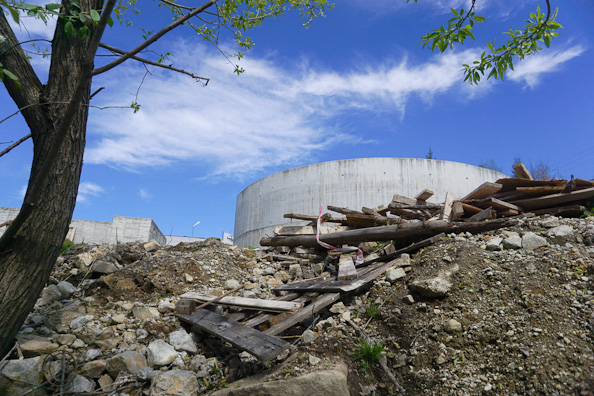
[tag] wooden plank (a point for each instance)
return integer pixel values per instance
(264, 317)
(446, 209)
(298, 317)
(408, 249)
(483, 215)
(471, 209)
(457, 211)
(565, 211)
(314, 218)
(522, 171)
(362, 220)
(308, 230)
(540, 190)
(511, 183)
(263, 346)
(555, 199)
(507, 213)
(402, 200)
(584, 183)
(346, 268)
(344, 211)
(497, 204)
(246, 303)
(424, 195)
(483, 191)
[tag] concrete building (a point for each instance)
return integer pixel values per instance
(121, 230)
(347, 183)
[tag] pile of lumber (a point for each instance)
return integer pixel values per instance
(409, 219)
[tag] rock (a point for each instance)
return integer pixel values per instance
(25, 371)
(66, 289)
(175, 383)
(80, 384)
(34, 348)
(550, 222)
(531, 241)
(197, 362)
(105, 382)
(95, 368)
(314, 360)
(338, 308)
(182, 341)
(80, 321)
(65, 339)
(408, 299)
(453, 326)
(493, 243)
(119, 318)
(433, 287)
(129, 362)
(90, 354)
(105, 267)
(147, 373)
(295, 271)
(50, 294)
(394, 274)
(560, 234)
(231, 284)
(166, 306)
(308, 336)
(513, 241)
(145, 313)
(188, 278)
(331, 382)
(151, 246)
(160, 353)
(67, 314)
(84, 260)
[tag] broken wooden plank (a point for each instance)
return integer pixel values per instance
(424, 196)
(511, 183)
(457, 211)
(471, 209)
(344, 211)
(483, 215)
(522, 171)
(320, 303)
(264, 317)
(404, 233)
(362, 220)
(346, 268)
(314, 218)
(307, 230)
(246, 303)
(555, 199)
(402, 200)
(263, 346)
(540, 190)
(483, 191)
(378, 211)
(507, 213)
(497, 204)
(446, 209)
(564, 211)
(584, 183)
(408, 249)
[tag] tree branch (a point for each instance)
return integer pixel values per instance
(154, 38)
(7, 149)
(149, 62)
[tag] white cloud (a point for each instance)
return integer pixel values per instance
(88, 189)
(144, 194)
(531, 70)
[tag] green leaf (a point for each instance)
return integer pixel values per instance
(10, 75)
(95, 16)
(53, 7)
(110, 22)
(69, 29)
(480, 19)
(15, 14)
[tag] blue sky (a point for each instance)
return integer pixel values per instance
(355, 84)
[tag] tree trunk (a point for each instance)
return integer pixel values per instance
(27, 256)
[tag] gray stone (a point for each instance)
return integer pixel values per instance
(151, 246)
(394, 274)
(39, 347)
(105, 382)
(105, 267)
(295, 271)
(50, 294)
(408, 299)
(160, 353)
(25, 370)
(65, 339)
(128, 362)
(175, 383)
(67, 314)
(80, 384)
(531, 241)
(308, 336)
(314, 360)
(331, 382)
(513, 241)
(439, 286)
(550, 222)
(90, 354)
(182, 341)
(145, 313)
(494, 243)
(453, 326)
(66, 289)
(80, 322)
(147, 373)
(197, 362)
(560, 234)
(231, 284)
(95, 368)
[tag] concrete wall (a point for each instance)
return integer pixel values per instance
(87, 231)
(348, 183)
(175, 240)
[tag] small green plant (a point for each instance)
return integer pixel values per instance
(588, 212)
(368, 353)
(373, 311)
(66, 246)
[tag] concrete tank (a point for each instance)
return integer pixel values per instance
(350, 183)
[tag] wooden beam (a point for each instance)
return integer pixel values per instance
(424, 196)
(555, 199)
(522, 171)
(344, 211)
(497, 204)
(446, 209)
(298, 317)
(402, 200)
(263, 346)
(511, 183)
(483, 191)
(346, 268)
(484, 215)
(567, 211)
(246, 303)
(314, 218)
(361, 220)
(307, 230)
(457, 211)
(540, 190)
(408, 249)
(471, 209)
(264, 317)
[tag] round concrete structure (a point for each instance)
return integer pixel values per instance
(351, 183)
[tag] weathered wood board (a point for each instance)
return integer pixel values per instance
(555, 199)
(263, 346)
(247, 303)
(522, 171)
(483, 191)
(346, 268)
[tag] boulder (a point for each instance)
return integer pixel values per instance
(160, 353)
(105, 267)
(394, 274)
(513, 241)
(66, 289)
(561, 234)
(439, 286)
(531, 241)
(175, 383)
(182, 341)
(40, 347)
(50, 294)
(95, 368)
(128, 362)
(332, 382)
(80, 384)
(145, 313)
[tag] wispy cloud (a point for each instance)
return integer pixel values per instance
(144, 194)
(531, 70)
(88, 189)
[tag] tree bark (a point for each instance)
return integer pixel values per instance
(405, 233)
(28, 254)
